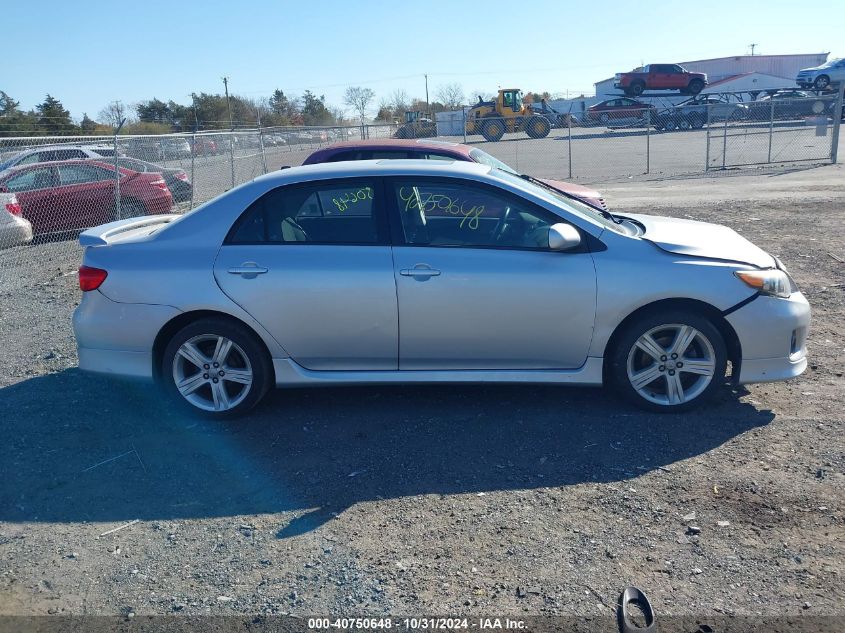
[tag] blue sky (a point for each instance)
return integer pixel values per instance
(90, 53)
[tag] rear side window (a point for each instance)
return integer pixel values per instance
(79, 174)
(338, 212)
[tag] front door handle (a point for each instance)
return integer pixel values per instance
(248, 270)
(420, 271)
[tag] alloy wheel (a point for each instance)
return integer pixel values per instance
(212, 372)
(671, 364)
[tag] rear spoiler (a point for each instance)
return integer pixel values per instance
(101, 235)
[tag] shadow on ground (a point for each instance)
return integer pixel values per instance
(83, 448)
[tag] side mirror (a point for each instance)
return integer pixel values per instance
(563, 237)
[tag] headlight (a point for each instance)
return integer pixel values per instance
(768, 282)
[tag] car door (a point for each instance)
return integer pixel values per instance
(676, 78)
(312, 263)
(477, 284)
(34, 188)
(84, 196)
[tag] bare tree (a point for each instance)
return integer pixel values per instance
(399, 101)
(451, 95)
(113, 113)
(359, 99)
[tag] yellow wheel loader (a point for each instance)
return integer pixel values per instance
(507, 113)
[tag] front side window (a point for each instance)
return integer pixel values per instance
(30, 180)
(340, 212)
(460, 213)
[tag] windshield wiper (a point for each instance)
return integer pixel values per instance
(607, 215)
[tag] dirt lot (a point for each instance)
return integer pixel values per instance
(436, 500)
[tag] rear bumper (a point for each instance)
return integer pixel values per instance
(773, 335)
(15, 232)
(117, 338)
(159, 204)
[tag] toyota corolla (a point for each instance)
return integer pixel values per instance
(409, 271)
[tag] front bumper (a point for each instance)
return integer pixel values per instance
(772, 333)
(117, 338)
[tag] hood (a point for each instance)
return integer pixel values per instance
(571, 188)
(701, 239)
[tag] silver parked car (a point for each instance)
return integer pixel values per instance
(418, 271)
(14, 229)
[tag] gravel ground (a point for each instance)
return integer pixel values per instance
(437, 500)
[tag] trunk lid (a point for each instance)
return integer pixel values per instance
(701, 239)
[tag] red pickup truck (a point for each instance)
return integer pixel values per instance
(660, 77)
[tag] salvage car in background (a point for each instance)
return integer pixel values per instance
(695, 112)
(785, 104)
(429, 271)
(822, 77)
(434, 149)
(619, 112)
(175, 177)
(660, 77)
(65, 196)
(55, 153)
(14, 229)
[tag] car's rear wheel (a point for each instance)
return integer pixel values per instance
(130, 208)
(216, 368)
(668, 361)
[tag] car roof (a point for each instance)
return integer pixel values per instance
(380, 167)
(57, 163)
(395, 143)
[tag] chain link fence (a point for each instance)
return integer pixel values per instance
(53, 187)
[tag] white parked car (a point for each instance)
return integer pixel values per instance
(47, 154)
(14, 229)
(824, 76)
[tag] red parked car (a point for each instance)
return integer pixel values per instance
(621, 111)
(660, 77)
(78, 194)
(433, 149)
(203, 146)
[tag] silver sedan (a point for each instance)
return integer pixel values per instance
(424, 272)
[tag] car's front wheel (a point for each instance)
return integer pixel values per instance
(216, 368)
(821, 82)
(668, 361)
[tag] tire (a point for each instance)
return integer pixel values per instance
(695, 86)
(635, 89)
(672, 388)
(493, 129)
(131, 208)
(403, 132)
(604, 117)
(206, 395)
(697, 121)
(684, 123)
(671, 123)
(821, 82)
(538, 126)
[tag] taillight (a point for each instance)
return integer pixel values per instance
(160, 184)
(13, 207)
(181, 175)
(91, 278)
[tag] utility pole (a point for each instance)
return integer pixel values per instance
(753, 46)
(228, 105)
(194, 103)
(427, 104)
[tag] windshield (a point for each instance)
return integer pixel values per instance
(830, 63)
(480, 156)
(558, 199)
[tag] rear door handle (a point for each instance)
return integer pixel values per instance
(248, 270)
(420, 271)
